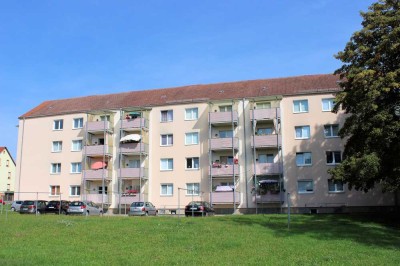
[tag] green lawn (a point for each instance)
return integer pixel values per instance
(222, 240)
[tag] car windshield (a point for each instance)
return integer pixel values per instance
(76, 203)
(137, 204)
(29, 202)
(195, 203)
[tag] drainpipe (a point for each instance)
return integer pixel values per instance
(20, 159)
(245, 153)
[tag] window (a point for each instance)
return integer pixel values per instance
(302, 132)
(133, 164)
(9, 175)
(100, 190)
(327, 104)
(75, 190)
(335, 185)
(167, 116)
(105, 118)
(167, 164)
(167, 189)
(58, 124)
(192, 189)
(300, 106)
(7, 163)
(76, 168)
(305, 186)
(54, 190)
(78, 123)
(225, 108)
(192, 138)
(192, 113)
(331, 131)
(333, 157)
(266, 158)
(55, 168)
(57, 146)
(167, 140)
(76, 145)
(265, 105)
(227, 160)
(192, 163)
(226, 134)
(8, 187)
(264, 131)
(303, 158)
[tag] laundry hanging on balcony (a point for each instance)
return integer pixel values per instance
(131, 138)
(98, 165)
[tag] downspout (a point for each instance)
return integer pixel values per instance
(20, 161)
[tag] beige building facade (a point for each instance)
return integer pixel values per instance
(7, 175)
(247, 147)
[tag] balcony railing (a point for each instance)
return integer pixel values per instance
(266, 141)
(98, 198)
(134, 148)
(97, 174)
(223, 143)
(135, 123)
(133, 173)
(268, 168)
(96, 150)
(224, 170)
(266, 114)
(269, 198)
(224, 197)
(96, 126)
(128, 199)
(223, 117)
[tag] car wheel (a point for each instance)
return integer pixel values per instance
(146, 213)
(13, 209)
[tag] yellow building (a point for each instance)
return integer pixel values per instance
(7, 175)
(248, 146)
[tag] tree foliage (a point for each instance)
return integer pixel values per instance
(370, 81)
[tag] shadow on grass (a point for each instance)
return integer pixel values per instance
(369, 229)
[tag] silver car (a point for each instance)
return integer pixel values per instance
(84, 208)
(142, 208)
(16, 205)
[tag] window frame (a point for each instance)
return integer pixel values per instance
(331, 103)
(333, 153)
(331, 131)
(193, 163)
(58, 124)
(56, 167)
(168, 185)
(81, 145)
(301, 108)
(79, 122)
(53, 189)
(335, 185)
(74, 168)
(170, 118)
(193, 190)
(304, 159)
(196, 109)
(74, 188)
(302, 131)
(167, 160)
(191, 137)
(59, 146)
(169, 140)
(305, 192)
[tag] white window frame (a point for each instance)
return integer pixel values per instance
(192, 189)
(167, 160)
(193, 163)
(76, 168)
(263, 105)
(191, 136)
(170, 116)
(225, 108)
(269, 158)
(55, 168)
(58, 124)
(226, 134)
(302, 130)
(77, 123)
(336, 185)
(74, 191)
(329, 129)
(307, 191)
(304, 159)
(333, 153)
(302, 106)
(169, 139)
(56, 192)
(80, 146)
(330, 102)
(191, 113)
(169, 189)
(56, 146)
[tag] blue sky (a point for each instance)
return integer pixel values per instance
(62, 49)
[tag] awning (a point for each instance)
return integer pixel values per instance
(98, 165)
(130, 137)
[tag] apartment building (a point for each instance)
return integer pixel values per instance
(7, 175)
(248, 146)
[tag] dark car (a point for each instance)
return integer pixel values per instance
(33, 206)
(199, 208)
(53, 206)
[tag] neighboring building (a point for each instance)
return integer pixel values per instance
(245, 146)
(7, 175)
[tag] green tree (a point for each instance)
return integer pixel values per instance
(370, 82)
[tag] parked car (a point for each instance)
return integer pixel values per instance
(199, 208)
(16, 205)
(84, 208)
(53, 206)
(142, 208)
(33, 206)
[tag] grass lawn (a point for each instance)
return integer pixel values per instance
(222, 240)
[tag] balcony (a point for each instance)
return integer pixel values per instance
(265, 114)
(221, 170)
(129, 198)
(268, 169)
(134, 148)
(134, 124)
(133, 173)
(99, 198)
(266, 141)
(223, 143)
(98, 126)
(223, 117)
(97, 174)
(269, 198)
(224, 197)
(96, 150)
